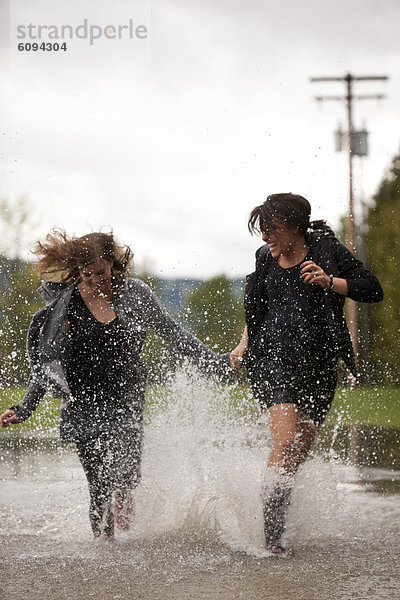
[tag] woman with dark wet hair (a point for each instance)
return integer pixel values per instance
(84, 347)
(294, 336)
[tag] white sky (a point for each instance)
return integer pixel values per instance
(173, 140)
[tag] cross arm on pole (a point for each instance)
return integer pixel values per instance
(323, 98)
(344, 98)
(371, 78)
(370, 97)
(351, 78)
(326, 79)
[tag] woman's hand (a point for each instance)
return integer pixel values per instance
(8, 417)
(236, 356)
(312, 273)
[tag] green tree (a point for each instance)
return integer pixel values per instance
(215, 314)
(18, 288)
(18, 301)
(382, 243)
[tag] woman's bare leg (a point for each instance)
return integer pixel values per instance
(292, 438)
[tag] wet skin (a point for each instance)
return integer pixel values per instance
(96, 289)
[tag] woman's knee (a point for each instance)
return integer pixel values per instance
(284, 425)
(284, 443)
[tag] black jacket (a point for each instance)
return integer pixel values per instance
(335, 259)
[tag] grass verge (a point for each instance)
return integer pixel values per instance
(378, 406)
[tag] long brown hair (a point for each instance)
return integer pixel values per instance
(61, 256)
(292, 209)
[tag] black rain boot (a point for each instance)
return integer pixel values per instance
(275, 497)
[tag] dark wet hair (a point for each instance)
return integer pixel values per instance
(291, 209)
(63, 256)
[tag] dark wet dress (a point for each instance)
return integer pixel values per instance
(97, 373)
(297, 362)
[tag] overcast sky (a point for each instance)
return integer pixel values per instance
(172, 140)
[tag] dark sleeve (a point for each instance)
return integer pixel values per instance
(255, 293)
(33, 395)
(181, 339)
(362, 284)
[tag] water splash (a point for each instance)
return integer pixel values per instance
(204, 456)
(202, 470)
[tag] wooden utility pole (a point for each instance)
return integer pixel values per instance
(348, 99)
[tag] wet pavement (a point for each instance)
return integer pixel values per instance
(198, 531)
(183, 566)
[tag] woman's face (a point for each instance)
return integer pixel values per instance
(280, 238)
(97, 276)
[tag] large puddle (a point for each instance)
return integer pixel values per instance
(199, 526)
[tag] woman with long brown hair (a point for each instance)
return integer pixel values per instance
(84, 347)
(294, 336)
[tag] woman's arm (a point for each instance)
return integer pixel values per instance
(354, 281)
(236, 356)
(362, 284)
(181, 339)
(21, 412)
(313, 274)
